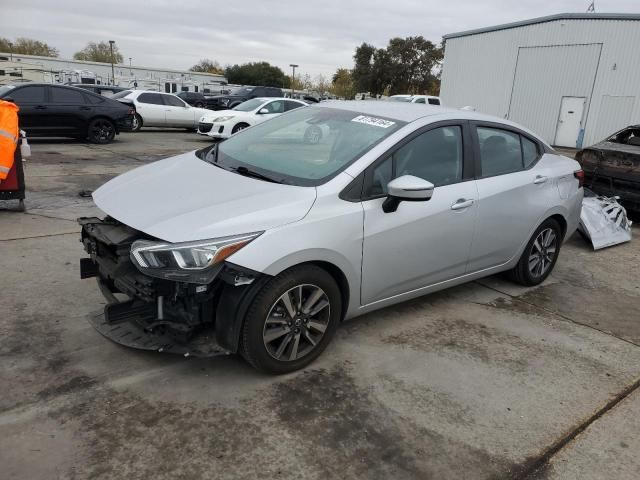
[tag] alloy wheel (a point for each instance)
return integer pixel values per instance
(296, 322)
(543, 252)
(101, 130)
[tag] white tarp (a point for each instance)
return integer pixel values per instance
(603, 221)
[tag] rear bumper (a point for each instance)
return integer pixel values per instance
(125, 124)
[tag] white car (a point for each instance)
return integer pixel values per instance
(224, 123)
(155, 109)
(429, 99)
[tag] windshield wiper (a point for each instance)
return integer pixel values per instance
(245, 172)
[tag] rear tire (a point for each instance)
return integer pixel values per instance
(137, 123)
(280, 335)
(238, 127)
(539, 256)
(101, 131)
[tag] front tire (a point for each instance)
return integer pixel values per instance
(101, 131)
(291, 320)
(540, 255)
(238, 127)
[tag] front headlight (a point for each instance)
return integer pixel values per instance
(223, 119)
(191, 262)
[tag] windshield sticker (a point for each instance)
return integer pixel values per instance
(373, 121)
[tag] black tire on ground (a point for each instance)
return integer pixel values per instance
(238, 127)
(137, 123)
(101, 131)
(528, 271)
(268, 314)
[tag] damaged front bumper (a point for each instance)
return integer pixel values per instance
(162, 315)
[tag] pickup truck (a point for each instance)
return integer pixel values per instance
(226, 102)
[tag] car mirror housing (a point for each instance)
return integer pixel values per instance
(262, 111)
(406, 188)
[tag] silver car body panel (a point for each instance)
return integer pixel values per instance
(385, 258)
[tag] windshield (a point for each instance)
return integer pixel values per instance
(6, 89)
(249, 105)
(121, 94)
(304, 147)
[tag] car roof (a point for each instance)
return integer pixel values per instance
(405, 112)
(410, 112)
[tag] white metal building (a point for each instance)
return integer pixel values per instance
(75, 71)
(572, 78)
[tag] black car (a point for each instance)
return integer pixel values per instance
(612, 167)
(61, 111)
(225, 102)
(104, 90)
(195, 99)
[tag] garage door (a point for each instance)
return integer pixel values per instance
(546, 74)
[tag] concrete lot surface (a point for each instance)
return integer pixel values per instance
(486, 380)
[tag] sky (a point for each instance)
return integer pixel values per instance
(319, 36)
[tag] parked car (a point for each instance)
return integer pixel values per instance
(104, 90)
(195, 99)
(429, 99)
(62, 111)
(223, 124)
(242, 94)
(612, 167)
(155, 109)
(266, 243)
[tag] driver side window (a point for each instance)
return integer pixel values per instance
(435, 156)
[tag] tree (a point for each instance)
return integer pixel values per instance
(321, 85)
(28, 46)
(99, 52)
(258, 73)
(362, 74)
(208, 66)
(406, 65)
(342, 84)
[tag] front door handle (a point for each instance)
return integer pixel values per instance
(461, 204)
(540, 179)
(41, 107)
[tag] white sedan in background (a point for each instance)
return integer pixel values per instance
(155, 109)
(224, 123)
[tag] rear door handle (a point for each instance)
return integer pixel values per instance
(540, 179)
(41, 107)
(461, 204)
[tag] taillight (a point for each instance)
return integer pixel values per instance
(579, 174)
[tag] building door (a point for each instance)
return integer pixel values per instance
(569, 121)
(546, 74)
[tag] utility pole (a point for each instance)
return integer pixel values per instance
(293, 76)
(113, 74)
(11, 50)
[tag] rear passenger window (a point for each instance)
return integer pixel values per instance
(420, 100)
(434, 101)
(529, 152)
(152, 98)
(289, 105)
(499, 151)
(66, 95)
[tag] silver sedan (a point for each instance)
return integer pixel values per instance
(272, 241)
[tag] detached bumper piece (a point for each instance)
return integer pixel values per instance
(137, 327)
(603, 221)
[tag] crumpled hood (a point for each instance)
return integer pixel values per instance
(183, 198)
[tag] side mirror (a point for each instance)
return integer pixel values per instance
(263, 111)
(406, 188)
